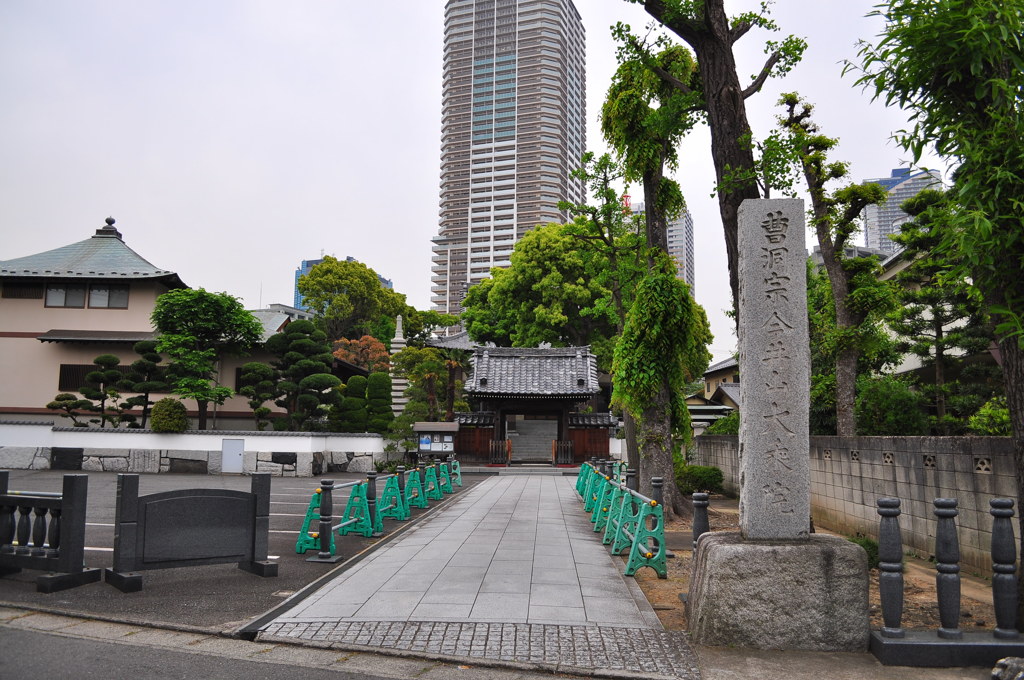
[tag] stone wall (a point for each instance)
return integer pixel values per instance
(40, 446)
(849, 474)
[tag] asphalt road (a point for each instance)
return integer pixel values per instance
(214, 598)
(39, 655)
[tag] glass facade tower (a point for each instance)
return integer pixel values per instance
(513, 128)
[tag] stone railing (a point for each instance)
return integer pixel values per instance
(849, 475)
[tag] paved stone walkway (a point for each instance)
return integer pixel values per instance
(511, 571)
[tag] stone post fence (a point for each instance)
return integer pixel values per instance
(849, 474)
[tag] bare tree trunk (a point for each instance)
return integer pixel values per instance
(632, 452)
(1013, 375)
(203, 407)
(846, 392)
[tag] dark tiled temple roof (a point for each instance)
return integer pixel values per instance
(538, 372)
(477, 418)
(592, 420)
(103, 256)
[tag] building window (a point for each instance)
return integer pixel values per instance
(23, 290)
(65, 295)
(101, 295)
(108, 295)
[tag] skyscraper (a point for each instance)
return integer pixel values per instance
(679, 234)
(513, 128)
(882, 220)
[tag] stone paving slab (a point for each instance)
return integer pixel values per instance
(526, 538)
(587, 650)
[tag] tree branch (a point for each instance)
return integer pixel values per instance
(647, 61)
(766, 70)
(687, 29)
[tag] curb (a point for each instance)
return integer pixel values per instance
(485, 662)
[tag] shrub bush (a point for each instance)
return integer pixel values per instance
(870, 546)
(699, 478)
(730, 424)
(168, 416)
(889, 407)
(992, 419)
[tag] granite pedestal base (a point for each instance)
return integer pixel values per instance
(789, 595)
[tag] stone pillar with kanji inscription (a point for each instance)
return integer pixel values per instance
(773, 584)
(775, 368)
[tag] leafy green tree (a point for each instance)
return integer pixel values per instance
(992, 419)
(145, 376)
(730, 424)
(858, 296)
(957, 67)
(663, 342)
(937, 320)
(378, 402)
(716, 93)
(663, 347)
(877, 349)
(888, 406)
(605, 228)
(348, 298)
(197, 329)
(549, 294)
(429, 371)
(352, 415)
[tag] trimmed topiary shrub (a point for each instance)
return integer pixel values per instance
(169, 416)
(378, 403)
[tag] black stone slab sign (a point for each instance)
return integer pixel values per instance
(189, 527)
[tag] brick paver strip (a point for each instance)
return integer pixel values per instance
(587, 650)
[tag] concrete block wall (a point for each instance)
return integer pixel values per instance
(849, 474)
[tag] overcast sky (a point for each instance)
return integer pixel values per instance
(232, 139)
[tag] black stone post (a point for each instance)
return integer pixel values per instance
(632, 483)
(700, 516)
(1004, 567)
(401, 481)
(657, 495)
(371, 500)
(947, 566)
(326, 523)
(890, 567)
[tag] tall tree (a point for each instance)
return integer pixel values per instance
(717, 92)
(550, 293)
(346, 295)
(957, 66)
(607, 228)
(663, 342)
(937, 320)
(857, 294)
(197, 329)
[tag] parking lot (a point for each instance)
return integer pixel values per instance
(218, 597)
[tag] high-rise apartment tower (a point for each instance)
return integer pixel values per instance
(882, 220)
(513, 128)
